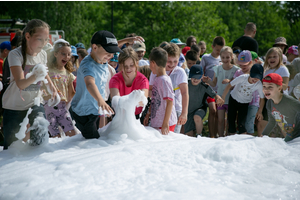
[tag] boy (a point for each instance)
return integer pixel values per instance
(5, 48)
(140, 49)
(180, 45)
(292, 54)
(197, 106)
(191, 58)
(179, 84)
(207, 63)
(163, 113)
(282, 109)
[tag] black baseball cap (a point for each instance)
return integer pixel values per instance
(196, 72)
(107, 40)
(257, 71)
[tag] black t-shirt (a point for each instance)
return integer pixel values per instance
(246, 43)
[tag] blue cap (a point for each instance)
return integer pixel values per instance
(5, 45)
(196, 72)
(177, 41)
(80, 45)
(116, 57)
(74, 51)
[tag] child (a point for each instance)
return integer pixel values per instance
(202, 46)
(197, 50)
(21, 92)
(241, 96)
(114, 61)
(179, 83)
(197, 106)
(74, 60)
(207, 63)
(223, 75)
(140, 49)
(191, 59)
(292, 53)
(60, 71)
(5, 48)
(282, 109)
(163, 113)
(82, 53)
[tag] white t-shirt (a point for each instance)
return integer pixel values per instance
(222, 74)
(243, 90)
(207, 63)
(178, 76)
(111, 73)
(282, 71)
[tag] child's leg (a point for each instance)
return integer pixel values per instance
(178, 127)
(189, 126)
(252, 110)
(38, 133)
(199, 124)
(102, 121)
(242, 115)
(211, 119)
(232, 111)
(221, 121)
(52, 116)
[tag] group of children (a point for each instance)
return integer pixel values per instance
(234, 85)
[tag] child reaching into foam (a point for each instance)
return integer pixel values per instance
(60, 72)
(223, 75)
(163, 113)
(22, 92)
(282, 109)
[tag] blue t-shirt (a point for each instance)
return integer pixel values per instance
(83, 103)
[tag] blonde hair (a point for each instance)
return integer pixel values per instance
(228, 50)
(128, 52)
(52, 59)
(270, 51)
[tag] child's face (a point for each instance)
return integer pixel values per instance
(172, 62)
(246, 68)
(195, 81)
(271, 90)
(202, 49)
(129, 68)
(226, 57)
(63, 56)
(291, 57)
(38, 40)
(273, 59)
(253, 80)
(190, 63)
(101, 55)
(216, 49)
(113, 64)
(193, 42)
(141, 54)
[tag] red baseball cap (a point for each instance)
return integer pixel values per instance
(185, 50)
(273, 78)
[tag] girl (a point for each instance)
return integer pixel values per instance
(202, 46)
(273, 64)
(21, 93)
(60, 72)
(129, 78)
(283, 110)
(74, 60)
(223, 75)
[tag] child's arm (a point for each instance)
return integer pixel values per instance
(71, 92)
(93, 90)
(259, 115)
(212, 83)
(185, 100)
(226, 91)
(165, 125)
(219, 100)
(130, 40)
(18, 75)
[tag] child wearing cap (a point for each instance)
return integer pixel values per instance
(140, 49)
(241, 96)
(207, 63)
(198, 91)
(191, 59)
(292, 53)
(5, 48)
(282, 109)
(178, 42)
(114, 62)
(163, 113)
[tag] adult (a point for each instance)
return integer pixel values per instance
(281, 43)
(247, 41)
(129, 78)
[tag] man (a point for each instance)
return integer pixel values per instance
(247, 41)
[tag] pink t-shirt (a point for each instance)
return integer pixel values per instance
(162, 90)
(140, 82)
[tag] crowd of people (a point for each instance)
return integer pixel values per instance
(239, 90)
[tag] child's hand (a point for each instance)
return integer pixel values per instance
(55, 99)
(182, 119)
(141, 104)
(105, 109)
(259, 116)
(165, 129)
(206, 79)
(40, 71)
(131, 40)
(220, 102)
(225, 81)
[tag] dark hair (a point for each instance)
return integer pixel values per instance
(159, 56)
(191, 55)
(16, 41)
(219, 41)
(145, 69)
(30, 28)
(189, 40)
(172, 49)
(163, 44)
(82, 52)
(131, 35)
(126, 53)
(195, 48)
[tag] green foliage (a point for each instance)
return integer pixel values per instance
(161, 21)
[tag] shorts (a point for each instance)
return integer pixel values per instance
(171, 128)
(190, 123)
(209, 100)
(224, 107)
(58, 116)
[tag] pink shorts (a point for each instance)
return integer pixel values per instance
(209, 100)
(224, 107)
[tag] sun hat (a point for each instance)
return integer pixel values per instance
(273, 78)
(107, 40)
(177, 41)
(244, 58)
(74, 51)
(139, 46)
(80, 45)
(196, 72)
(280, 40)
(257, 71)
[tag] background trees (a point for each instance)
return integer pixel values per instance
(162, 21)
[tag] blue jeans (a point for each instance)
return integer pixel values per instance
(12, 120)
(252, 110)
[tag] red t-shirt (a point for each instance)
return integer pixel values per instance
(140, 82)
(1, 66)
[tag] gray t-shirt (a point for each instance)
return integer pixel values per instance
(286, 114)
(198, 94)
